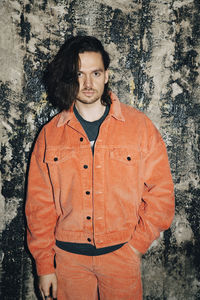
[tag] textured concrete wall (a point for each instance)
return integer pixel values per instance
(155, 51)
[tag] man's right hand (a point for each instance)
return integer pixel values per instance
(45, 284)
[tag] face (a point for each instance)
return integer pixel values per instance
(92, 77)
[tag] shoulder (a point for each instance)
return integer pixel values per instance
(140, 122)
(130, 113)
(48, 129)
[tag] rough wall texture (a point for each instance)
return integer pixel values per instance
(155, 51)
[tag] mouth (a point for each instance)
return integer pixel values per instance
(88, 92)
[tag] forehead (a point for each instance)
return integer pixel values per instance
(90, 60)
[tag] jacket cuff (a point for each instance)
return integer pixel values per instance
(45, 266)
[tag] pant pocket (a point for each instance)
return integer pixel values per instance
(134, 254)
(127, 254)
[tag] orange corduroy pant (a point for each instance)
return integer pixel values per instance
(116, 275)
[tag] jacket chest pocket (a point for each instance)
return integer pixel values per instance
(125, 156)
(59, 162)
(57, 156)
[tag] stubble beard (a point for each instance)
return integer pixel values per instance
(88, 100)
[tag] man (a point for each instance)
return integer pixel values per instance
(99, 189)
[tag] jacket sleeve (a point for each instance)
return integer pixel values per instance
(40, 211)
(156, 210)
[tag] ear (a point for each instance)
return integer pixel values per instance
(106, 76)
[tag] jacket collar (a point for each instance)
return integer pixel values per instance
(115, 108)
(115, 111)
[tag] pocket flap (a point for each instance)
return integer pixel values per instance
(58, 155)
(125, 155)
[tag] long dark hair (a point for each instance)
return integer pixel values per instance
(61, 79)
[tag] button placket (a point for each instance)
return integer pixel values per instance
(99, 201)
(86, 182)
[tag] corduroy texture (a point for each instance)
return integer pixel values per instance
(116, 274)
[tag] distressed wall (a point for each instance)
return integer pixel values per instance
(155, 51)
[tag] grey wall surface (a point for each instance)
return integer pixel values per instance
(155, 51)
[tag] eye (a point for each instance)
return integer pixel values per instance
(79, 74)
(97, 73)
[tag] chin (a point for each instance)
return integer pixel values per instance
(87, 100)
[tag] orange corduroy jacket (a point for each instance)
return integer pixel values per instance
(122, 193)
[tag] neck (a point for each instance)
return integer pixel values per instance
(90, 112)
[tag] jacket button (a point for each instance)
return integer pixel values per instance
(85, 166)
(55, 159)
(81, 139)
(89, 240)
(87, 192)
(129, 158)
(88, 217)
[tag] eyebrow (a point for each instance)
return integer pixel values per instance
(96, 70)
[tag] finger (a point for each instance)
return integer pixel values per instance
(42, 294)
(44, 297)
(46, 293)
(54, 289)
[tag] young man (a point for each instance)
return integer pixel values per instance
(99, 189)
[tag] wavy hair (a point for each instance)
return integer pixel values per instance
(60, 78)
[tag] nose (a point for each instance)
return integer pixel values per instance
(88, 82)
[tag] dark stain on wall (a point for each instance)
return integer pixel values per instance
(13, 192)
(4, 97)
(146, 17)
(193, 213)
(185, 120)
(13, 263)
(25, 26)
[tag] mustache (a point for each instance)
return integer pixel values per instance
(87, 90)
